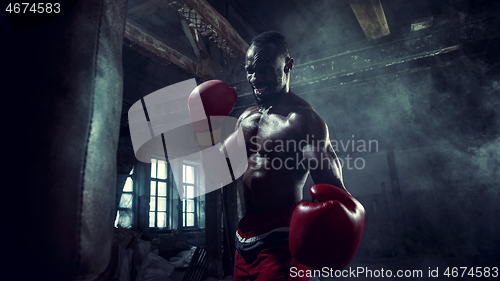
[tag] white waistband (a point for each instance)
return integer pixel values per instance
(261, 236)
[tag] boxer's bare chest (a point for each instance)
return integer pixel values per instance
(266, 131)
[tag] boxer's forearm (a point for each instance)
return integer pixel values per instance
(328, 169)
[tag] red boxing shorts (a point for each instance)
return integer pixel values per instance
(262, 252)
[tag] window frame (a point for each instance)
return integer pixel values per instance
(175, 206)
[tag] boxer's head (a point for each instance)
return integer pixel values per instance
(268, 64)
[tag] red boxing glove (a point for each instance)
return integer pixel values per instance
(327, 233)
(211, 100)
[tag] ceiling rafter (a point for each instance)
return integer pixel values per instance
(140, 40)
(145, 9)
(371, 17)
(203, 17)
(194, 39)
(435, 49)
(248, 15)
(197, 18)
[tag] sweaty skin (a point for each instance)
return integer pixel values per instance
(276, 134)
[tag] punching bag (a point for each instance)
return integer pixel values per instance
(62, 102)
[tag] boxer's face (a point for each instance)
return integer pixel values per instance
(265, 69)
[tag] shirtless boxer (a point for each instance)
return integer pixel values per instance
(285, 141)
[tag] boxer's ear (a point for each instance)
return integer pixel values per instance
(289, 64)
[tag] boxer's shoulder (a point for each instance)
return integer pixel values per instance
(249, 111)
(301, 109)
(304, 118)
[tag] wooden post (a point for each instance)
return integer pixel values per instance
(396, 188)
(142, 173)
(230, 223)
(213, 230)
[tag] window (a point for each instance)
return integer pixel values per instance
(125, 212)
(167, 210)
(159, 191)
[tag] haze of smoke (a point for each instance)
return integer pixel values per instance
(444, 126)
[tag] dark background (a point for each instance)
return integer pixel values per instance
(429, 98)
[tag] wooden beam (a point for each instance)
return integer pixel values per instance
(208, 21)
(371, 17)
(138, 39)
(388, 60)
(257, 25)
(146, 9)
(194, 39)
(200, 19)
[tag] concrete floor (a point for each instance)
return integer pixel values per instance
(415, 267)
(178, 274)
(425, 266)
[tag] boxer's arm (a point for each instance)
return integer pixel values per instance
(329, 170)
(236, 139)
(328, 232)
(209, 105)
(234, 144)
(319, 150)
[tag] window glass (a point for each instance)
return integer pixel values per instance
(162, 219)
(162, 189)
(153, 188)
(153, 168)
(162, 204)
(162, 170)
(126, 201)
(128, 185)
